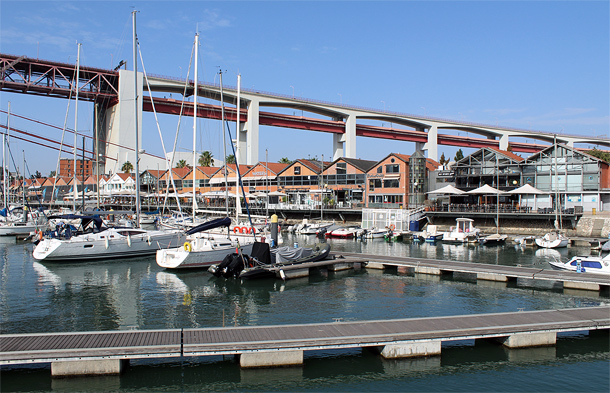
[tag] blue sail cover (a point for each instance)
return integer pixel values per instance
(85, 220)
(219, 222)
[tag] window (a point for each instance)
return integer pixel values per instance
(394, 168)
(380, 169)
(341, 168)
(391, 183)
(297, 170)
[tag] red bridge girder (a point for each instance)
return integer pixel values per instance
(54, 79)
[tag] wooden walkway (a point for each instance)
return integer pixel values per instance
(57, 347)
(589, 281)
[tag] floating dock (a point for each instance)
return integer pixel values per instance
(94, 353)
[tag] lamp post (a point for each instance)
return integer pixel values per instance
(340, 99)
(292, 91)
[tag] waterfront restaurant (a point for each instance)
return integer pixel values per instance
(203, 174)
(221, 186)
(302, 185)
(577, 178)
(346, 178)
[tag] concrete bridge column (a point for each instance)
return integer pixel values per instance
(432, 144)
(252, 125)
(241, 149)
(350, 136)
(118, 131)
(503, 142)
(338, 146)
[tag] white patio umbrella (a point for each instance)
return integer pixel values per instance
(448, 189)
(277, 193)
(527, 190)
(260, 194)
(485, 190)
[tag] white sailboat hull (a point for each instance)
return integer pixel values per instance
(552, 240)
(111, 243)
(201, 252)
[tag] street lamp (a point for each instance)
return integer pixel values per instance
(292, 91)
(340, 99)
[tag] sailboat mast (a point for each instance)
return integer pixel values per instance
(5, 170)
(237, 195)
(195, 122)
(135, 107)
(224, 144)
(75, 184)
(498, 195)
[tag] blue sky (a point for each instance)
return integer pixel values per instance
(540, 65)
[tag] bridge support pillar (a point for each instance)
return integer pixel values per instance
(74, 368)
(252, 126)
(241, 149)
(522, 340)
(338, 146)
(503, 142)
(118, 131)
(350, 136)
(412, 349)
(271, 359)
(432, 144)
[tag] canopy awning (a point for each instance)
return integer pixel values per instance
(527, 189)
(485, 190)
(448, 189)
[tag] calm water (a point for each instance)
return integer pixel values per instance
(136, 293)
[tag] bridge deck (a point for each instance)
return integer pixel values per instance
(51, 347)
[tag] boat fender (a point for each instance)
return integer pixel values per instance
(148, 240)
(187, 247)
(106, 243)
(129, 240)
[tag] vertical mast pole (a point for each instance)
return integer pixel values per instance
(224, 144)
(237, 196)
(76, 127)
(5, 170)
(135, 112)
(195, 123)
(97, 158)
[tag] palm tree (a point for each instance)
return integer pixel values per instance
(231, 159)
(181, 164)
(285, 160)
(127, 167)
(205, 159)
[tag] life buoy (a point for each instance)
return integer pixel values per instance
(40, 235)
(236, 229)
(187, 247)
(252, 231)
(392, 227)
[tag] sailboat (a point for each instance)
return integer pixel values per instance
(107, 243)
(554, 239)
(20, 221)
(204, 247)
(496, 239)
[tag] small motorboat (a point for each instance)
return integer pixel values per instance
(552, 240)
(493, 240)
(463, 232)
(431, 234)
(343, 233)
(584, 264)
(375, 233)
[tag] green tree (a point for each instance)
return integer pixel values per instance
(205, 159)
(285, 160)
(602, 155)
(181, 164)
(458, 155)
(127, 167)
(52, 174)
(443, 160)
(230, 159)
